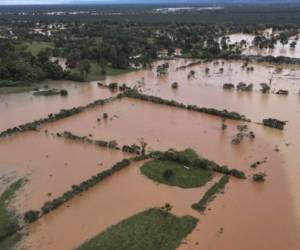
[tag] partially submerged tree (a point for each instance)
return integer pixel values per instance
(143, 145)
(167, 207)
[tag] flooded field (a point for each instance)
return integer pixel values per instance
(206, 89)
(252, 215)
(104, 205)
(203, 133)
(52, 165)
(24, 107)
(278, 50)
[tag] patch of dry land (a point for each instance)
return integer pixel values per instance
(110, 198)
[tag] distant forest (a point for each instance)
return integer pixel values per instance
(231, 14)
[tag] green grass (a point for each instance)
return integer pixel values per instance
(35, 47)
(8, 220)
(148, 230)
(95, 72)
(19, 89)
(182, 177)
(113, 72)
(10, 241)
(210, 194)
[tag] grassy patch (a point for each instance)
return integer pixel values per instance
(148, 230)
(10, 241)
(113, 72)
(175, 174)
(210, 194)
(95, 72)
(36, 47)
(15, 90)
(96, 75)
(8, 221)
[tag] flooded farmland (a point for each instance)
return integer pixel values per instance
(278, 50)
(253, 215)
(23, 107)
(52, 167)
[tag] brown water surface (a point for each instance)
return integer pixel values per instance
(52, 165)
(20, 108)
(253, 215)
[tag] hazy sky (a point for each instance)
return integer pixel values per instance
(13, 2)
(32, 1)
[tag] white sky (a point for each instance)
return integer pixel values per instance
(12, 2)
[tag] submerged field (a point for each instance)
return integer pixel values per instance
(256, 215)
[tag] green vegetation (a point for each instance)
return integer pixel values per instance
(84, 186)
(148, 230)
(95, 73)
(8, 220)
(32, 126)
(274, 123)
(176, 174)
(31, 216)
(139, 35)
(35, 47)
(10, 241)
(259, 177)
(210, 194)
(16, 89)
(133, 93)
(189, 157)
(20, 68)
(132, 149)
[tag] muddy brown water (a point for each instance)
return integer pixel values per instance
(51, 164)
(17, 109)
(113, 200)
(253, 204)
(253, 216)
(278, 50)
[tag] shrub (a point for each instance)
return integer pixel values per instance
(216, 188)
(31, 216)
(175, 85)
(63, 92)
(259, 177)
(168, 174)
(113, 85)
(274, 123)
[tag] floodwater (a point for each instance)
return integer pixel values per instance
(51, 164)
(20, 108)
(114, 199)
(279, 49)
(206, 90)
(166, 127)
(248, 216)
